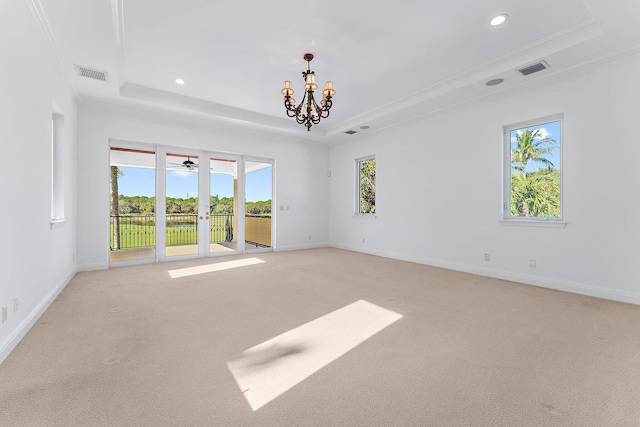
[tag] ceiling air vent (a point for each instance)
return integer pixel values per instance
(534, 68)
(92, 73)
(350, 132)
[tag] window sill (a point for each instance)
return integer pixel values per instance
(364, 216)
(546, 223)
(57, 223)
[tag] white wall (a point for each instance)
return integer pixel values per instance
(300, 171)
(36, 261)
(439, 187)
(439, 181)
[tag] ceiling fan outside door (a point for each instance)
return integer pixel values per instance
(187, 164)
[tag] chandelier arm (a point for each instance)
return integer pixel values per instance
(328, 103)
(288, 107)
(317, 112)
(301, 118)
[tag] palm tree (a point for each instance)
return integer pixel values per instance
(536, 195)
(530, 146)
(115, 206)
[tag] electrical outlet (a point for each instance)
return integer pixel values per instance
(363, 240)
(4, 314)
(532, 263)
(15, 304)
(487, 257)
(309, 236)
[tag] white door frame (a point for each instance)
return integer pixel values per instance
(203, 202)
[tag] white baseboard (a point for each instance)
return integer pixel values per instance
(284, 248)
(544, 282)
(7, 346)
(93, 266)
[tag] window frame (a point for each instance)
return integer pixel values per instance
(358, 188)
(57, 168)
(506, 217)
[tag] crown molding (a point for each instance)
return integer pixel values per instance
(190, 106)
(532, 52)
(40, 18)
(200, 118)
(219, 111)
(489, 97)
(117, 18)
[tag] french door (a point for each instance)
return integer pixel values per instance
(172, 203)
(198, 215)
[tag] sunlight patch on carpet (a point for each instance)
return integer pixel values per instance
(209, 268)
(269, 369)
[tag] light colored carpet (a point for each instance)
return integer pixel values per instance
(133, 347)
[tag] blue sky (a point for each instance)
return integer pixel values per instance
(547, 130)
(141, 182)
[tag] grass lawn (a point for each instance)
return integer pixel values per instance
(144, 236)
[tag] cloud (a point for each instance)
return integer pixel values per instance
(544, 133)
(181, 174)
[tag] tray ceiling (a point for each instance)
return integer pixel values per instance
(389, 63)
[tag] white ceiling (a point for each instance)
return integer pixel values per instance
(389, 61)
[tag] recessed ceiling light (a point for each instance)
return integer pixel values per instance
(494, 82)
(500, 19)
(179, 81)
(364, 127)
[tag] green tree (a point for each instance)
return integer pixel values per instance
(224, 206)
(115, 207)
(530, 146)
(534, 194)
(368, 186)
(213, 202)
(258, 207)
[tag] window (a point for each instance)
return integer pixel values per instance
(57, 169)
(366, 185)
(532, 175)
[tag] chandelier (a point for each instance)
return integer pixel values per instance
(308, 112)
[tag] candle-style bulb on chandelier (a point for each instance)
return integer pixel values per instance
(308, 112)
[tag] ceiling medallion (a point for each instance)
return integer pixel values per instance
(308, 113)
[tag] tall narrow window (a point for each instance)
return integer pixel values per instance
(57, 168)
(366, 185)
(533, 170)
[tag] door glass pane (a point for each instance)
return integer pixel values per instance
(258, 195)
(133, 205)
(182, 205)
(223, 179)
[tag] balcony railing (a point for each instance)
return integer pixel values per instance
(139, 231)
(132, 231)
